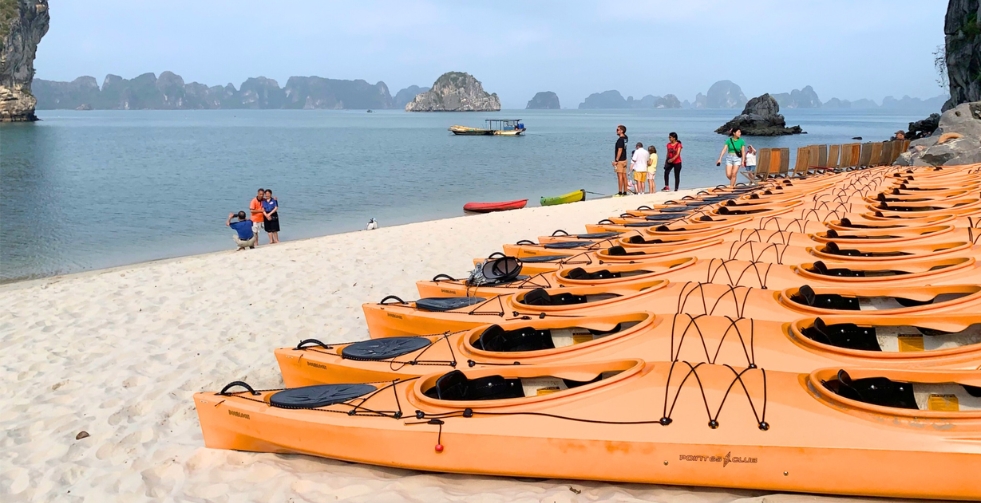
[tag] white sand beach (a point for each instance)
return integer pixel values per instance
(118, 353)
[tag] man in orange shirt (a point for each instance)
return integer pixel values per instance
(255, 208)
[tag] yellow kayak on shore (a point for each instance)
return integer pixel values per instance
(571, 197)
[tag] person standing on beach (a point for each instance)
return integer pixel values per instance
(734, 153)
(673, 161)
(620, 160)
(750, 159)
(651, 169)
(244, 237)
(270, 213)
(640, 160)
(257, 213)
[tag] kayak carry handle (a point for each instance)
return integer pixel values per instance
(670, 201)
(604, 221)
(443, 276)
(526, 242)
(687, 198)
(393, 297)
(496, 255)
(625, 215)
(702, 192)
(644, 207)
(312, 342)
(564, 233)
(224, 391)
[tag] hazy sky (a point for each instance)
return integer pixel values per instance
(848, 49)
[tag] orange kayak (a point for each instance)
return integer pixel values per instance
(803, 345)
(429, 316)
(634, 421)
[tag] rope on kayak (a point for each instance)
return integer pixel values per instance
(700, 287)
(418, 361)
(713, 420)
(733, 324)
(723, 264)
(596, 193)
(738, 246)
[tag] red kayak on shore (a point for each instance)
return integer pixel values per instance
(499, 206)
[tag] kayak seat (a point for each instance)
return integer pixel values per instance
(562, 245)
(833, 249)
(311, 397)
(821, 268)
(581, 274)
(501, 270)
(677, 209)
(598, 235)
(705, 218)
(843, 335)
(442, 304)
(495, 338)
(541, 297)
(544, 258)
(805, 295)
(455, 386)
(619, 251)
(640, 240)
(879, 391)
(383, 349)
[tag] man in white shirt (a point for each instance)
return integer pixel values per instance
(639, 160)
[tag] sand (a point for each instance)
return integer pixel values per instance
(118, 353)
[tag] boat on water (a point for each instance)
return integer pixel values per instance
(495, 127)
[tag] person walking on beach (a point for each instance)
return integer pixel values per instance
(620, 160)
(673, 162)
(244, 237)
(734, 153)
(750, 159)
(640, 160)
(270, 213)
(651, 169)
(256, 212)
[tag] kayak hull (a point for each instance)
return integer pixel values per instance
(571, 197)
(475, 207)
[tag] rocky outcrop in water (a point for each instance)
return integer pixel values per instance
(956, 141)
(170, 92)
(798, 98)
(604, 100)
(22, 24)
(455, 92)
(760, 117)
(404, 96)
(923, 128)
(667, 101)
(962, 43)
(545, 100)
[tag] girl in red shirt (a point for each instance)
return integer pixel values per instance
(672, 161)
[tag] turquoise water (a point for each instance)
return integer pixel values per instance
(85, 190)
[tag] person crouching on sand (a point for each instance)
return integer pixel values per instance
(651, 169)
(640, 159)
(244, 237)
(270, 213)
(620, 160)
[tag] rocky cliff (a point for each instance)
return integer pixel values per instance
(404, 96)
(962, 43)
(170, 92)
(545, 100)
(956, 141)
(760, 117)
(722, 94)
(22, 24)
(455, 92)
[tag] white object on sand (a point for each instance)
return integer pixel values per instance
(372, 225)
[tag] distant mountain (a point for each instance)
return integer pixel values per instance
(169, 92)
(722, 94)
(668, 101)
(604, 100)
(890, 103)
(798, 98)
(546, 100)
(404, 96)
(645, 102)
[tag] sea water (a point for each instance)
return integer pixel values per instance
(94, 189)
